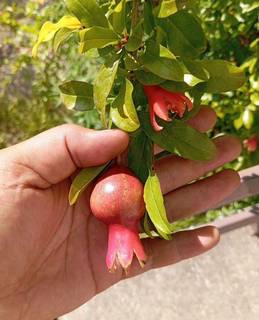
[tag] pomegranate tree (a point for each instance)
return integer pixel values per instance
(151, 81)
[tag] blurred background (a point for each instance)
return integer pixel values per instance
(225, 288)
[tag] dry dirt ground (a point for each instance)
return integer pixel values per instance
(220, 285)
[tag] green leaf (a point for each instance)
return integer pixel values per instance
(175, 86)
(140, 155)
(102, 87)
(149, 21)
(130, 62)
(166, 53)
(224, 76)
(88, 12)
(185, 35)
(148, 78)
(196, 69)
(155, 205)
(82, 180)
(146, 226)
(135, 39)
(77, 95)
(108, 55)
(119, 17)
(123, 112)
(166, 68)
(166, 8)
(61, 36)
(96, 37)
(49, 30)
(178, 137)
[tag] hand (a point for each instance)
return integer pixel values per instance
(53, 255)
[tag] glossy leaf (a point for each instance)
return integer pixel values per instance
(135, 39)
(123, 112)
(224, 76)
(140, 155)
(77, 95)
(49, 30)
(88, 12)
(154, 201)
(102, 87)
(82, 181)
(96, 37)
(166, 8)
(185, 35)
(166, 68)
(196, 69)
(178, 137)
(119, 17)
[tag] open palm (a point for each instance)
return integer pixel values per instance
(53, 255)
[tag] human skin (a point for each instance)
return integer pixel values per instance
(52, 254)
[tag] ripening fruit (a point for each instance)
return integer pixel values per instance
(117, 200)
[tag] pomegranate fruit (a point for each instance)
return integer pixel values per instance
(117, 201)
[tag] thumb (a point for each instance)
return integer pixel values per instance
(55, 154)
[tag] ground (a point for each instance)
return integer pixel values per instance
(222, 284)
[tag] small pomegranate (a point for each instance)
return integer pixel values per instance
(117, 200)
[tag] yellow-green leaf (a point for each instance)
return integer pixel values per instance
(102, 87)
(49, 30)
(88, 12)
(77, 95)
(123, 112)
(166, 8)
(154, 201)
(82, 180)
(119, 17)
(96, 37)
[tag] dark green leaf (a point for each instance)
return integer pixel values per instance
(148, 78)
(135, 39)
(82, 180)
(77, 95)
(96, 37)
(102, 87)
(88, 12)
(178, 137)
(175, 86)
(155, 205)
(149, 21)
(140, 155)
(164, 67)
(185, 35)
